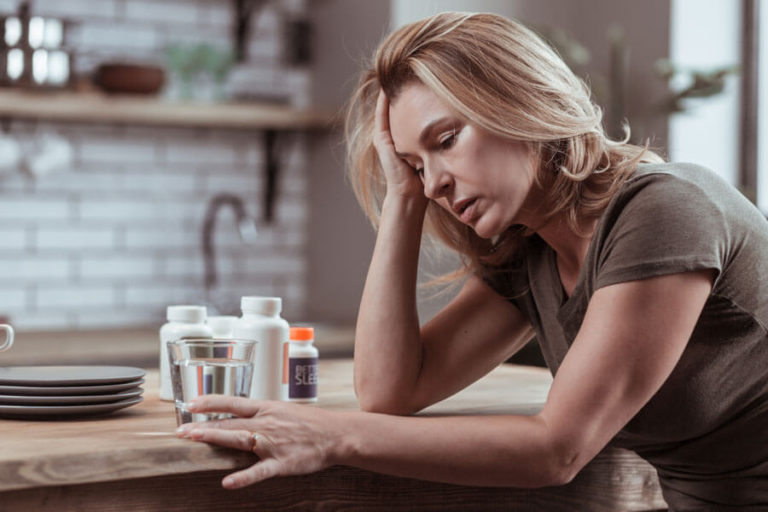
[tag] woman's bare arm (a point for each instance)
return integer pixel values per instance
(630, 341)
(404, 372)
(387, 338)
(399, 367)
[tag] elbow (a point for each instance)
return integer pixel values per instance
(378, 394)
(548, 475)
(551, 473)
(377, 401)
(560, 458)
(383, 405)
(562, 466)
(561, 474)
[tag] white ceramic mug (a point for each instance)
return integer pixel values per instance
(8, 336)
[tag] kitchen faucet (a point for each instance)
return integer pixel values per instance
(246, 225)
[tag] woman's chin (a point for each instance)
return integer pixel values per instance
(490, 228)
(483, 230)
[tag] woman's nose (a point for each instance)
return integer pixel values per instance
(437, 182)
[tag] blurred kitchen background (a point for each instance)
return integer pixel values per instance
(157, 152)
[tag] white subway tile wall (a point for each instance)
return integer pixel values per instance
(112, 240)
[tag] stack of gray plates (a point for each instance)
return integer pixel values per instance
(56, 391)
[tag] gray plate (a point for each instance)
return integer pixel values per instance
(74, 399)
(42, 411)
(69, 390)
(67, 375)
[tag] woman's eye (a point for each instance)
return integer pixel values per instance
(448, 141)
(418, 172)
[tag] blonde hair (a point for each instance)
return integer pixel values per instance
(500, 76)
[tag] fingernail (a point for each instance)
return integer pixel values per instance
(191, 405)
(196, 434)
(183, 429)
(229, 482)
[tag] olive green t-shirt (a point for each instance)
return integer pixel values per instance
(706, 429)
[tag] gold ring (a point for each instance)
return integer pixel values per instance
(255, 438)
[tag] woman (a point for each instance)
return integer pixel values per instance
(640, 279)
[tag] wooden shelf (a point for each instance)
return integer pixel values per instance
(95, 107)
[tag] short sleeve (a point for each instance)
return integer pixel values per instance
(662, 225)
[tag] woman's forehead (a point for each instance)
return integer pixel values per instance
(411, 116)
(416, 106)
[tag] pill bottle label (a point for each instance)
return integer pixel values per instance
(302, 381)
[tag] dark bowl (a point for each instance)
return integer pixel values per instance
(129, 78)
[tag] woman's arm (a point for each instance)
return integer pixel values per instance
(387, 338)
(387, 344)
(403, 369)
(631, 339)
(400, 368)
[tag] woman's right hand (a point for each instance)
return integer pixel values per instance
(401, 178)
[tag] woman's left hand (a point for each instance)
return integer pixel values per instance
(289, 439)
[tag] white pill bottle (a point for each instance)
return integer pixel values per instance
(222, 326)
(183, 322)
(261, 321)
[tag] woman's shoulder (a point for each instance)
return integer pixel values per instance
(667, 218)
(668, 205)
(689, 187)
(676, 172)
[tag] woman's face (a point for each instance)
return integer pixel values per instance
(484, 181)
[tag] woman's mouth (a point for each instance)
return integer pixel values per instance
(466, 211)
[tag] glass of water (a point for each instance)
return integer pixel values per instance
(209, 366)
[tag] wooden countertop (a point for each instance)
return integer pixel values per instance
(138, 443)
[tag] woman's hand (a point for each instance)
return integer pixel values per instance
(289, 439)
(401, 177)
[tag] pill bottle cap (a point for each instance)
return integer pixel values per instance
(190, 314)
(261, 305)
(302, 333)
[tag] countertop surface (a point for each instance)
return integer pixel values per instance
(133, 346)
(139, 441)
(131, 460)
